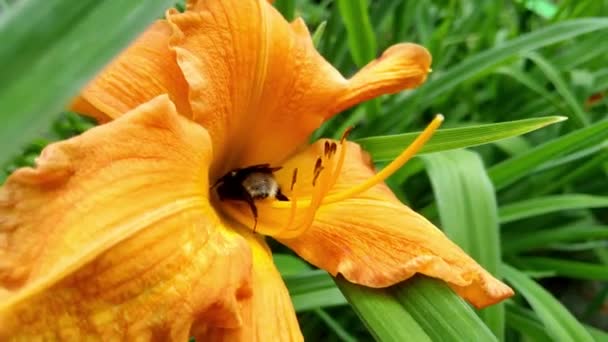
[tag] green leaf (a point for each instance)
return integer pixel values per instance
(467, 207)
(318, 34)
(390, 146)
(488, 59)
(386, 319)
(320, 298)
(308, 281)
(513, 169)
(287, 8)
(51, 48)
(361, 37)
(564, 268)
(531, 82)
(517, 242)
(289, 264)
(578, 114)
(310, 289)
(442, 314)
(560, 323)
(335, 326)
(544, 205)
(527, 322)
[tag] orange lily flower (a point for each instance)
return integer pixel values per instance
(119, 234)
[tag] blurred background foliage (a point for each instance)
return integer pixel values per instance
(531, 209)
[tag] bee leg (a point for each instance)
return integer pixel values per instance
(281, 196)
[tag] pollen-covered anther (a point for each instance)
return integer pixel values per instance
(326, 173)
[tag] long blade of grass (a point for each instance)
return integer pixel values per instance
(385, 317)
(389, 313)
(321, 298)
(564, 268)
(335, 326)
(469, 216)
(527, 323)
(560, 323)
(50, 49)
(442, 314)
(361, 37)
(513, 169)
(544, 205)
(361, 40)
(390, 146)
(578, 114)
(517, 242)
(287, 8)
(484, 61)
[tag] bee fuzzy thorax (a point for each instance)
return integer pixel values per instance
(261, 185)
(248, 184)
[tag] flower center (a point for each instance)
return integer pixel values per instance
(288, 219)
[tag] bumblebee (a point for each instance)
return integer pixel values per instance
(249, 184)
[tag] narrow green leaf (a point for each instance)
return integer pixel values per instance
(517, 242)
(482, 62)
(287, 8)
(385, 317)
(513, 169)
(468, 211)
(309, 289)
(51, 48)
(390, 146)
(335, 326)
(318, 34)
(308, 281)
(578, 114)
(361, 37)
(560, 323)
(583, 170)
(513, 145)
(442, 314)
(544, 205)
(321, 298)
(526, 322)
(529, 81)
(289, 264)
(564, 268)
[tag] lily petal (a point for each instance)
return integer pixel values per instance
(112, 236)
(256, 80)
(145, 70)
(374, 240)
(268, 315)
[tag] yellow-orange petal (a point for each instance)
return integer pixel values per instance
(260, 87)
(143, 71)
(268, 315)
(374, 240)
(112, 237)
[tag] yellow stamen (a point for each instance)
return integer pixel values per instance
(406, 155)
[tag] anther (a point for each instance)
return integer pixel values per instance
(294, 177)
(346, 134)
(333, 148)
(326, 148)
(317, 171)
